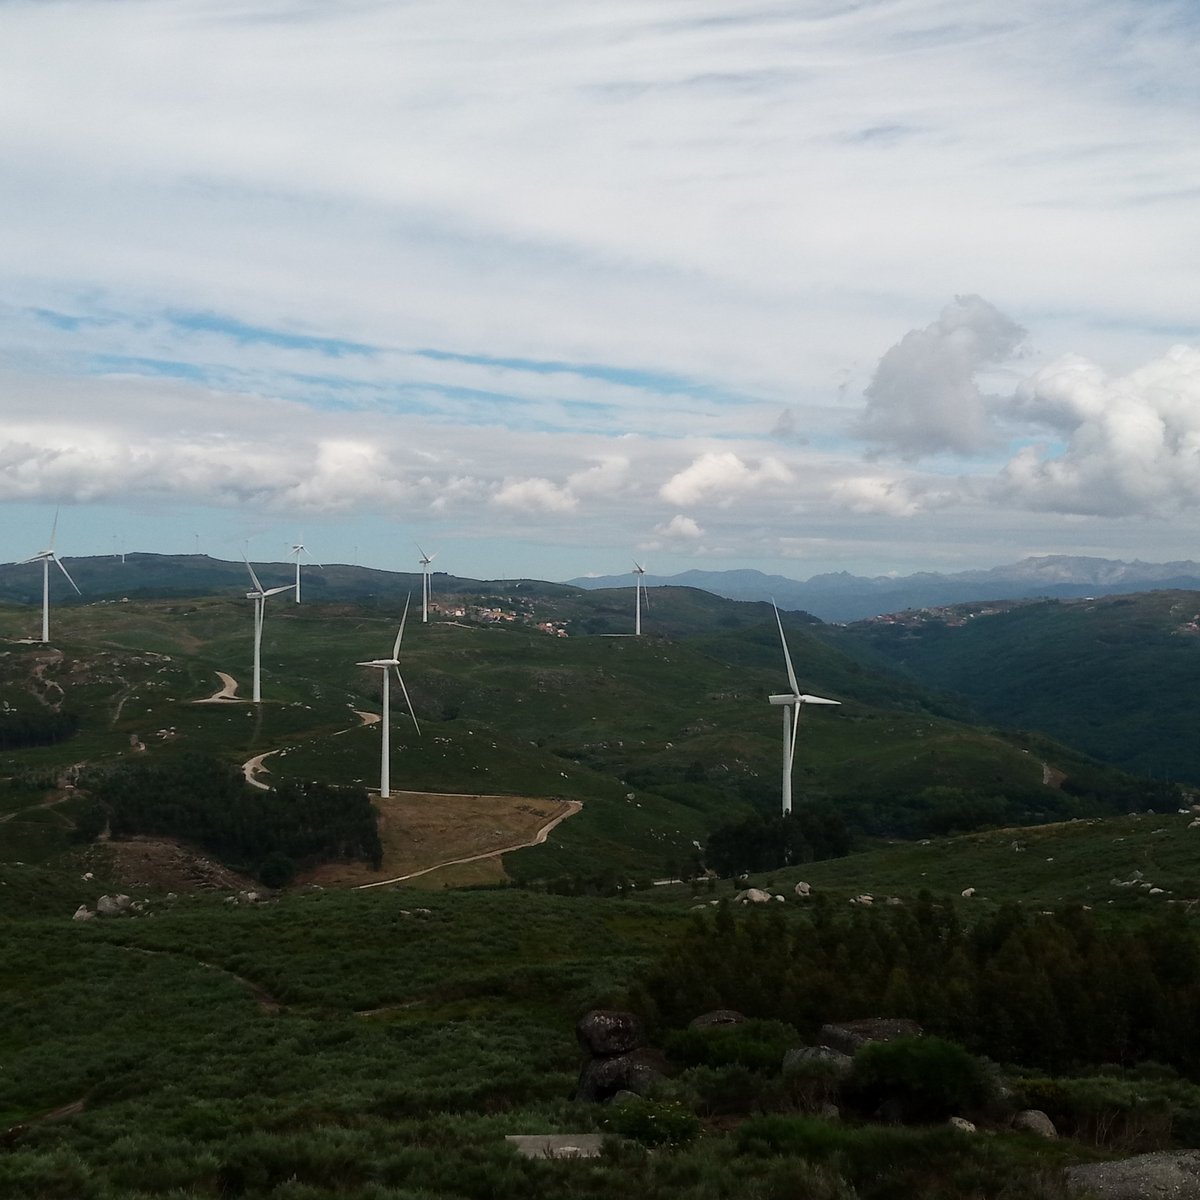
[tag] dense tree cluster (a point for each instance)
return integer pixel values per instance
(762, 843)
(38, 727)
(206, 801)
(1054, 991)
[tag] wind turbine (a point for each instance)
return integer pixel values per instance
(259, 596)
(298, 549)
(640, 597)
(386, 665)
(792, 703)
(426, 559)
(46, 557)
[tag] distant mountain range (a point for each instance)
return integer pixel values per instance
(840, 596)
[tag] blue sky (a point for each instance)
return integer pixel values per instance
(885, 286)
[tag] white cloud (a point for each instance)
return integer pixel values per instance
(535, 495)
(1131, 444)
(719, 478)
(924, 397)
(680, 528)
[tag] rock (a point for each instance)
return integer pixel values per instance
(1165, 1173)
(83, 913)
(967, 893)
(802, 1056)
(622, 1097)
(556, 1145)
(830, 1112)
(893, 901)
(961, 1124)
(637, 1072)
(1033, 1120)
(779, 897)
(1155, 892)
(719, 1016)
(112, 906)
(803, 889)
(87, 875)
(753, 896)
(850, 1036)
(605, 1032)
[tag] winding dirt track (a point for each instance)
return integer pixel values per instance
(227, 693)
(570, 808)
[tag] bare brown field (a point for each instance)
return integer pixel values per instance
(433, 833)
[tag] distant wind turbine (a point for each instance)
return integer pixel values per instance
(387, 665)
(640, 597)
(300, 549)
(46, 557)
(259, 596)
(792, 702)
(426, 559)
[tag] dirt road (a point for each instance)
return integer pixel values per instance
(228, 692)
(570, 808)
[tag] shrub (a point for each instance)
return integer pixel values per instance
(276, 870)
(925, 1078)
(654, 1123)
(757, 1045)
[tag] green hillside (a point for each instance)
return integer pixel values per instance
(661, 738)
(1115, 677)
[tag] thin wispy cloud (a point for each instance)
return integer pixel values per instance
(607, 269)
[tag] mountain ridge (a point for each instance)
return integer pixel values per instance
(841, 596)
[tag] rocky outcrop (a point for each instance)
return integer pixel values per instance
(752, 896)
(603, 1078)
(802, 1058)
(1033, 1120)
(1144, 1177)
(618, 1059)
(850, 1036)
(604, 1032)
(113, 906)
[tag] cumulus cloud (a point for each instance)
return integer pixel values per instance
(535, 495)
(680, 528)
(1126, 445)
(719, 478)
(924, 397)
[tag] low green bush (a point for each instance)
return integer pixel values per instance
(654, 1122)
(922, 1078)
(757, 1045)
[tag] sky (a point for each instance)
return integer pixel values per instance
(817, 285)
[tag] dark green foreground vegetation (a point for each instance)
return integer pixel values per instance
(351, 1045)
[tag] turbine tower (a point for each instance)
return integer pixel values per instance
(298, 549)
(792, 703)
(46, 557)
(426, 559)
(640, 597)
(259, 596)
(387, 665)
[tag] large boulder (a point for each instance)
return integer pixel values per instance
(1033, 1120)
(718, 1018)
(753, 896)
(802, 1058)
(113, 906)
(1174, 1174)
(637, 1072)
(850, 1036)
(605, 1032)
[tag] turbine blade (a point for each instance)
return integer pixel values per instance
(407, 701)
(67, 574)
(287, 587)
(787, 657)
(795, 729)
(400, 634)
(253, 578)
(805, 698)
(53, 530)
(645, 597)
(424, 556)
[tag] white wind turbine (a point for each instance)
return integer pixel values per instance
(792, 703)
(640, 597)
(298, 549)
(46, 557)
(386, 665)
(426, 559)
(259, 596)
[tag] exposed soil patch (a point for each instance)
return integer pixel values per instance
(161, 865)
(421, 831)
